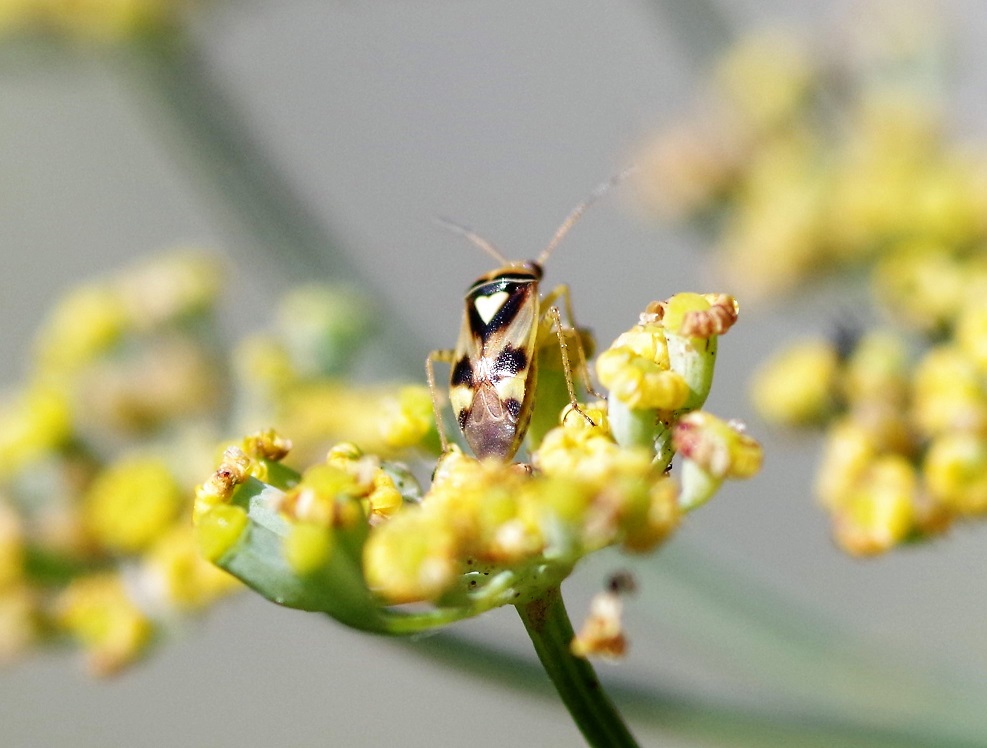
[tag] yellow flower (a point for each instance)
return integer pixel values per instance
(879, 512)
(767, 77)
(218, 529)
(132, 503)
(654, 519)
(586, 494)
(320, 412)
(347, 489)
(98, 612)
(21, 621)
(33, 423)
(773, 237)
(354, 535)
(922, 284)
(876, 371)
(11, 547)
(698, 315)
(174, 286)
(721, 448)
(640, 382)
(323, 495)
(584, 454)
(96, 20)
(384, 498)
(411, 558)
(264, 366)
(796, 386)
(162, 381)
(645, 341)
(87, 322)
(848, 451)
(407, 418)
(948, 392)
(179, 576)
(955, 470)
(971, 333)
(235, 468)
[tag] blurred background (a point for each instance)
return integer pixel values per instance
(502, 116)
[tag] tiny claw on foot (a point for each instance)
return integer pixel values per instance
(575, 408)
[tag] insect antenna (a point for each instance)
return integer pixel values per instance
(578, 211)
(474, 237)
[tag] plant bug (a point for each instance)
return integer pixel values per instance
(494, 364)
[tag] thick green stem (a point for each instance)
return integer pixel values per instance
(551, 632)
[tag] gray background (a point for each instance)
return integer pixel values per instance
(502, 115)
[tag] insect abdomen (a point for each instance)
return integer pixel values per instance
(492, 425)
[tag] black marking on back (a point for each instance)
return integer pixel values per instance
(513, 406)
(510, 361)
(518, 288)
(462, 373)
(461, 417)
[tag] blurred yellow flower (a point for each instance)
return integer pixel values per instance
(95, 20)
(132, 503)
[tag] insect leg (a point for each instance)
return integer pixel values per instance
(445, 357)
(562, 293)
(556, 316)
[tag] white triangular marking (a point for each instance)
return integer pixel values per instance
(488, 306)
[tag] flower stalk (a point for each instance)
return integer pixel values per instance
(548, 625)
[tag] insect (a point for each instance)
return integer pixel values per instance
(494, 364)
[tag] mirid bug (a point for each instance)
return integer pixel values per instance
(494, 365)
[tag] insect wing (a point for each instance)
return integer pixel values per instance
(493, 368)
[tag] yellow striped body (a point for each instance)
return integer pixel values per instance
(493, 369)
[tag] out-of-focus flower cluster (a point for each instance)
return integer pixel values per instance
(816, 162)
(129, 388)
(103, 537)
(808, 158)
(356, 536)
(905, 446)
(97, 449)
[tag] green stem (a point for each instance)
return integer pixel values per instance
(551, 632)
(209, 136)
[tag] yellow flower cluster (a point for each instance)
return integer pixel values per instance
(291, 377)
(103, 544)
(584, 493)
(636, 370)
(354, 535)
(906, 442)
(95, 542)
(100, 448)
(809, 164)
